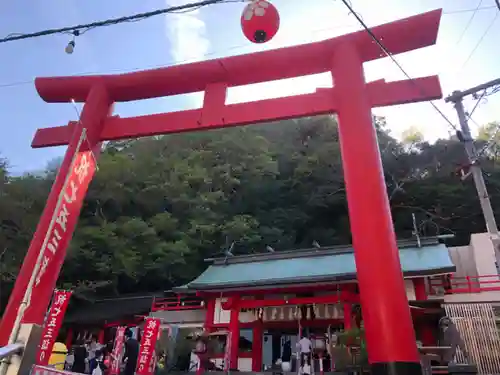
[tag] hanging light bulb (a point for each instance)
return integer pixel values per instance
(70, 47)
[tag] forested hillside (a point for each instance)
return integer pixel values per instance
(159, 206)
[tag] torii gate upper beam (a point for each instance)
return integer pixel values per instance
(400, 36)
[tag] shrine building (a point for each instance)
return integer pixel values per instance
(259, 302)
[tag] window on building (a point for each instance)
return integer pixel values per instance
(246, 340)
(217, 344)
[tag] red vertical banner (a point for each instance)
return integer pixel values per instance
(117, 351)
(148, 344)
(52, 325)
(66, 214)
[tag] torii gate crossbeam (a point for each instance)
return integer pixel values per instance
(389, 330)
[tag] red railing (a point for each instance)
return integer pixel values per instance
(469, 284)
(177, 303)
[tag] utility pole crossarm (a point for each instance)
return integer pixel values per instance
(459, 95)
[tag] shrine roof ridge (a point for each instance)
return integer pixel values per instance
(310, 252)
(311, 267)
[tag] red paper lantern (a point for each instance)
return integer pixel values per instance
(260, 21)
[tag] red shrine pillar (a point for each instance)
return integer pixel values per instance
(100, 337)
(419, 287)
(234, 330)
(258, 337)
(60, 216)
(389, 329)
(210, 314)
(347, 316)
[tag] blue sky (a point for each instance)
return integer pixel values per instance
(214, 32)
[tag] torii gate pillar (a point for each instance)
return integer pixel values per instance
(389, 329)
(371, 224)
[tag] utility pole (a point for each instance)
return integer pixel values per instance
(475, 169)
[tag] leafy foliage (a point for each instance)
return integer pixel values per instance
(159, 206)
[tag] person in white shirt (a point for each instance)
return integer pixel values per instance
(305, 348)
(305, 345)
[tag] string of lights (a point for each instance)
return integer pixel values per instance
(78, 30)
(388, 54)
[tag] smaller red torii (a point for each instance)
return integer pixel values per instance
(389, 330)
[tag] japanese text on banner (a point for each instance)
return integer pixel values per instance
(148, 344)
(52, 324)
(68, 208)
(117, 351)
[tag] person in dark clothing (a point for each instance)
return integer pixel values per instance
(80, 353)
(98, 362)
(131, 353)
(287, 352)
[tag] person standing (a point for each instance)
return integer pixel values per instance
(305, 349)
(80, 358)
(131, 353)
(286, 357)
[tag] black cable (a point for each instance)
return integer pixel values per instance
(386, 51)
(471, 10)
(478, 100)
(479, 41)
(497, 2)
(469, 22)
(80, 29)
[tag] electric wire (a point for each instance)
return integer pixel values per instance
(400, 67)
(471, 9)
(479, 42)
(469, 22)
(28, 82)
(479, 99)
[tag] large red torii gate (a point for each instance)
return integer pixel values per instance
(389, 330)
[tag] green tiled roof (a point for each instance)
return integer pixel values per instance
(308, 266)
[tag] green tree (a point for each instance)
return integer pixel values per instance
(159, 206)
